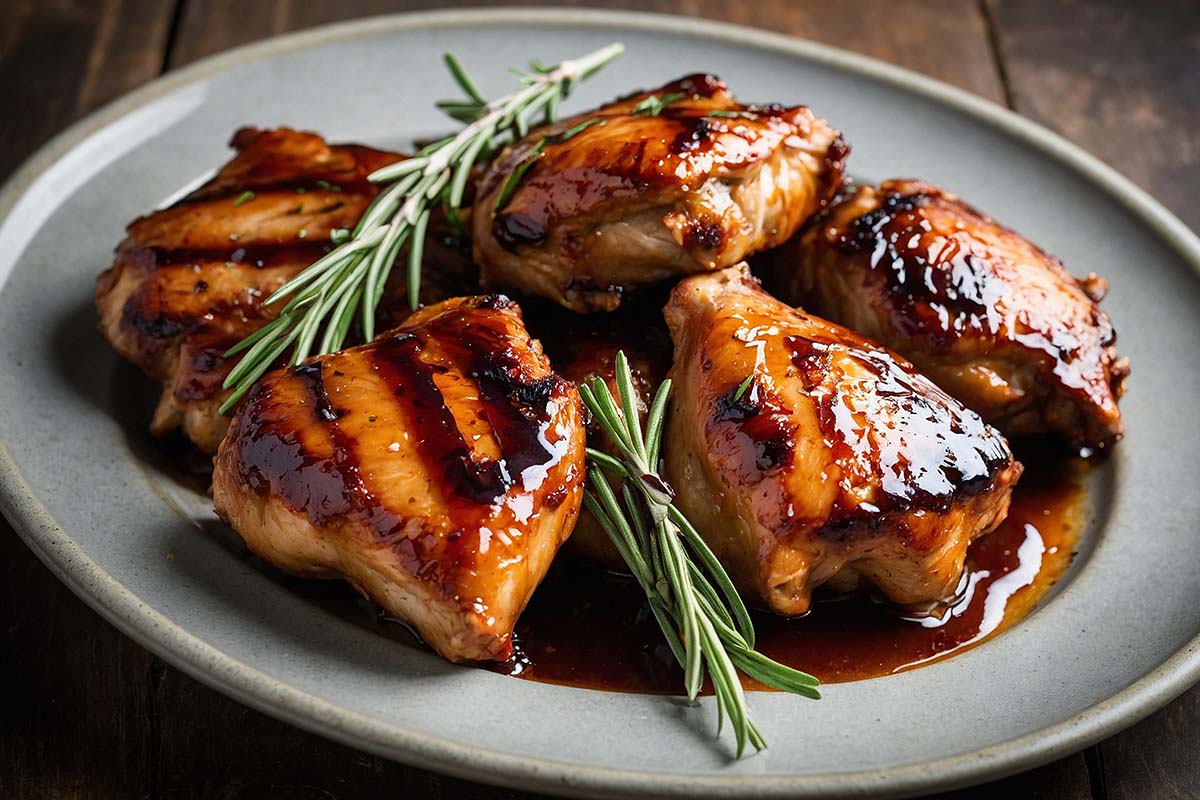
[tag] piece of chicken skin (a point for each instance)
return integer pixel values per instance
(622, 197)
(189, 281)
(839, 464)
(988, 316)
(437, 468)
(582, 348)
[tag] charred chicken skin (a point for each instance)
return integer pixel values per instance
(680, 180)
(839, 464)
(189, 281)
(437, 468)
(988, 316)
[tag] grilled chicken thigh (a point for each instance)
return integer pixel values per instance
(679, 180)
(189, 280)
(839, 464)
(437, 468)
(988, 316)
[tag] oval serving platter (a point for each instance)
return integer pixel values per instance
(1117, 638)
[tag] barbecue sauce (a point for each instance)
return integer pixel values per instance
(589, 628)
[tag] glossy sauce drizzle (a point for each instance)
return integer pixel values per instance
(589, 628)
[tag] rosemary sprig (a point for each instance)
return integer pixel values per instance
(325, 297)
(653, 105)
(742, 387)
(691, 596)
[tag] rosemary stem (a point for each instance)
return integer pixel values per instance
(693, 600)
(354, 274)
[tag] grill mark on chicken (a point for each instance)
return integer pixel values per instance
(438, 467)
(273, 457)
(764, 419)
(189, 281)
(513, 404)
(692, 139)
(251, 255)
(158, 316)
(322, 408)
(442, 444)
(205, 366)
(516, 410)
(837, 465)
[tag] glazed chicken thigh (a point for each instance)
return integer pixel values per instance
(437, 468)
(679, 180)
(988, 316)
(189, 281)
(838, 464)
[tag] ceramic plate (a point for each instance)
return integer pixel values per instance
(105, 511)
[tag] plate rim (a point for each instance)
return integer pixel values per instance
(55, 547)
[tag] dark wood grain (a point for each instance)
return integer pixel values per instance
(1123, 81)
(89, 714)
(76, 708)
(1066, 779)
(61, 59)
(947, 39)
(1160, 752)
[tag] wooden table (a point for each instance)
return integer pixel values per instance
(85, 712)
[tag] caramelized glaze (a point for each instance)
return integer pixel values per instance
(681, 145)
(189, 280)
(438, 468)
(988, 315)
(471, 340)
(839, 463)
(926, 454)
(591, 629)
(677, 180)
(583, 348)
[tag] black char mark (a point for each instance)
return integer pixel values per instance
(690, 132)
(274, 459)
(954, 281)
(761, 417)
(519, 410)
(438, 438)
(925, 449)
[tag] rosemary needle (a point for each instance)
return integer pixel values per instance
(350, 279)
(689, 593)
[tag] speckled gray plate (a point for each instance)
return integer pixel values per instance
(1117, 639)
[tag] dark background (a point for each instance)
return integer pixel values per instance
(85, 712)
